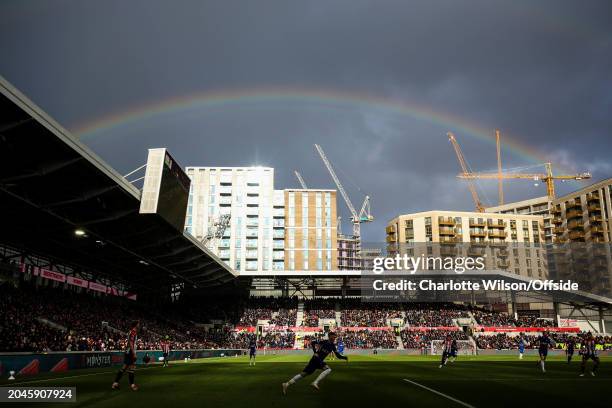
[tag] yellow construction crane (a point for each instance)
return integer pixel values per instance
(466, 172)
(547, 177)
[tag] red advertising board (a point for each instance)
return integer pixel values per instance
(97, 287)
(56, 276)
(77, 281)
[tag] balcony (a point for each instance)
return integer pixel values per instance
(498, 234)
(557, 220)
(252, 233)
(574, 213)
(278, 223)
(556, 210)
(498, 243)
(573, 204)
(478, 233)
(575, 224)
(447, 231)
(504, 264)
(449, 240)
(391, 238)
(594, 207)
(223, 200)
(596, 229)
(558, 230)
(390, 229)
(496, 224)
(224, 243)
(251, 243)
(478, 243)
(595, 219)
(278, 234)
(573, 235)
(278, 245)
(446, 221)
(594, 196)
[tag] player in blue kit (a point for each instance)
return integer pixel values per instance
(521, 347)
(588, 351)
(340, 346)
(252, 351)
(545, 343)
(321, 349)
(569, 349)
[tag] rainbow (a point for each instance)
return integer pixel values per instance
(325, 99)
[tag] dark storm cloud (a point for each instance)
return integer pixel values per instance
(540, 71)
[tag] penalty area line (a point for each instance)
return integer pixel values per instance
(465, 404)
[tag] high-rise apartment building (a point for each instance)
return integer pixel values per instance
(511, 242)
(310, 230)
(349, 258)
(253, 238)
(584, 215)
(534, 206)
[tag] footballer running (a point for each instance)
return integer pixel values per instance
(321, 349)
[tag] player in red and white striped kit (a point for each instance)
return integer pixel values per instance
(447, 351)
(129, 362)
(165, 346)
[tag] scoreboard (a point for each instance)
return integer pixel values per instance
(166, 188)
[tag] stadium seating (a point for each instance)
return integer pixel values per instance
(81, 321)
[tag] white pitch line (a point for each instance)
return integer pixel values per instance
(440, 393)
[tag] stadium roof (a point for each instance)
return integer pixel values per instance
(51, 185)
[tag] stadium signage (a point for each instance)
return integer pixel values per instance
(55, 276)
(97, 287)
(97, 360)
(77, 282)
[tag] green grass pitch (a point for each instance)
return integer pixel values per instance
(374, 381)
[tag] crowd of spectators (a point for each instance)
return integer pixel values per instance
(419, 338)
(368, 339)
(285, 317)
(278, 340)
(358, 314)
(54, 319)
(261, 308)
(317, 309)
(503, 341)
(434, 315)
(502, 319)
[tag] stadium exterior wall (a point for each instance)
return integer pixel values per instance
(35, 363)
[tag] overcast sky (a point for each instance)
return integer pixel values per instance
(541, 71)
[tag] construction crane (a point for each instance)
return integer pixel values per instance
(547, 177)
(466, 172)
(300, 179)
(216, 229)
(357, 218)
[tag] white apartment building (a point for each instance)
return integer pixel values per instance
(254, 238)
